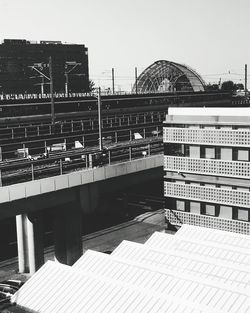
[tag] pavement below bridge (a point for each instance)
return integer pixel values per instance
(137, 230)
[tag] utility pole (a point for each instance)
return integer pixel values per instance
(113, 80)
(99, 103)
(39, 67)
(136, 80)
(69, 67)
(245, 80)
(52, 93)
(42, 86)
(66, 84)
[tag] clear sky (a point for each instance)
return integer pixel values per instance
(211, 36)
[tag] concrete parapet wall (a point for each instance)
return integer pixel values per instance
(56, 183)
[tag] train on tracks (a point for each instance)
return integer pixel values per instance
(18, 109)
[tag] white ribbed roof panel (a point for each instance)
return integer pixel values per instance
(219, 251)
(172, 283)
(185, 262)
(58, 288)
(213, 236)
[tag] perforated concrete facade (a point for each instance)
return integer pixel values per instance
(207, 167)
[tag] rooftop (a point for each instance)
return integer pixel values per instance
(196, 270)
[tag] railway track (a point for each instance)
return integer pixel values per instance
(77, 159)
(24, 131)
(38, 144)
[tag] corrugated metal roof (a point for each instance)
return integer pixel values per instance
(185, 262)
(173, 274)
(59, 288)
(219, 251)
(167, 282)
(214, 236)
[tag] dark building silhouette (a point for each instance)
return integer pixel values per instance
(17, 57)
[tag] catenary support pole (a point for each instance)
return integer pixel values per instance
(52, 93)
(113, 80)
(99, 118)
(136, 80)
(245, 80)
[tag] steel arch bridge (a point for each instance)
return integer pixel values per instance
(166, 76)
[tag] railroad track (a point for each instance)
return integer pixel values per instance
(77, 159)
(23, 131)
(38, 145)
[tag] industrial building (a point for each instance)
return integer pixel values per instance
(168, 76)
(18, 58)
(207, 168)
(168, 273)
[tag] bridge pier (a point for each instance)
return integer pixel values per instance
(89, 195)
(30, 243)
(68, 233)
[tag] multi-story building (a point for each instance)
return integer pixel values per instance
(207, 167)
(69, 63)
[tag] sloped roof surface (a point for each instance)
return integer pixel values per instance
(188, 262)
(219, 251)
(169, 273)
(182, 286)
(214, 236)
(58, 288)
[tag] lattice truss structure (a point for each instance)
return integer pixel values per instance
(168, 76)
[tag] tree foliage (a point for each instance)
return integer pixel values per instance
(212, 87)
(91, 85)
(228, 86)
(231, 86)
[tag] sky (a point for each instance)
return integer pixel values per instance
(210, 36)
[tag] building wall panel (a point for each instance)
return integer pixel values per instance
(201, 193)
(213, 137)
(207, 166)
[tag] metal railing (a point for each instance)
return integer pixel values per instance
(78, 159)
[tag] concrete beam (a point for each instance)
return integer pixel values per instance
(36, 203)
(56, 183)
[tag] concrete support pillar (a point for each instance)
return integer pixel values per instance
(125, 202)
(30, 245)
(21, 249)
(68, 233)
(89, 196)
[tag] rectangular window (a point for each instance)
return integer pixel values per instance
(173, 149)
(243, 215)
(226, 212)
(226, 154)
(243, 155)
(209, 127)
(243, 189)
(195, 207)
(180, 205)
(194, 151)
(209, 153)
(226, 187)
(210, 209)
